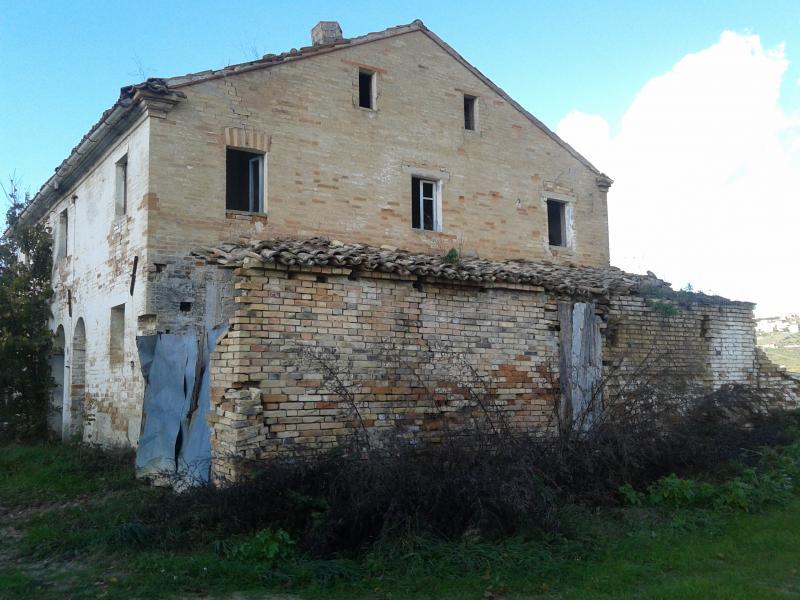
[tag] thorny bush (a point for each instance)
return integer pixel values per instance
(486, 479)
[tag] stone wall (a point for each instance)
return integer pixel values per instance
(419, 356)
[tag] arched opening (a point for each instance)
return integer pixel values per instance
(55, 416)
(77, 388)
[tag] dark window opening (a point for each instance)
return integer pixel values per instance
(469, 112)
(423, 203)
(185, 306)
(557, 223)
(244, 186)
(366, 83)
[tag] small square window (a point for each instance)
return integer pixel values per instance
(244, 181)
(469, 112)
(425, 204)
(121, 187)
(366, 89)
(557, 222)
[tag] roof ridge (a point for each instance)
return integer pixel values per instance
(271, 59)
(109, 121)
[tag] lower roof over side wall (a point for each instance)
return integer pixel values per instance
(580, 282)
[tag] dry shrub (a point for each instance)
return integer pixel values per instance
(487, 478)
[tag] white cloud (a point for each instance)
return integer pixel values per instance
(707, 175)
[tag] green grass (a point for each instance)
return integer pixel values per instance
(780, 354)
(789, 358)
(68, 533)
(32, 475)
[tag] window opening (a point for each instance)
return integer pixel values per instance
(366, 89)
(244, 181)
(424, 204)
(557, 222)
(63, 233)
(121, 187)
(117, 333)
(469, 112)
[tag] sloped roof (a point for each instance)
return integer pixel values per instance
(120, 116)
(112, 124)
(568, 280)
(271, 60)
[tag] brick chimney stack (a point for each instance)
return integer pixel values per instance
(326, 32)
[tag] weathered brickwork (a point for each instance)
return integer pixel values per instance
(416, 357)
(772, 377)
(711, 342)
(101, 398)
(408, 354)
(336, 169)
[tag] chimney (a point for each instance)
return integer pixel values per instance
(326, 32)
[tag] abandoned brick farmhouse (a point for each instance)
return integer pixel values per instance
(226, 240)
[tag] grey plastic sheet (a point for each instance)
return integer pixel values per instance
(175, 441)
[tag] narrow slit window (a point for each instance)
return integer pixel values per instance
(557, 222)
(366, 89)
(424, 204)
(62, 233)
(121, 187)
(117, 335)
(469, 112)
(244, 181)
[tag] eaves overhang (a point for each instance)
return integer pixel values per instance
(151, 98)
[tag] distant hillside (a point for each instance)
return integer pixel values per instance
(782, 348)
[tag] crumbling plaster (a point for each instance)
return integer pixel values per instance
(94, 276)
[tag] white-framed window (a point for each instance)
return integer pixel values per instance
(121, 186)
(559, 223)
(426, 205)
(244, 180)
(367, 93)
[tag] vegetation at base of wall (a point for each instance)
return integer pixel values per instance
(25, 341)
(85, 535)
(483, 509)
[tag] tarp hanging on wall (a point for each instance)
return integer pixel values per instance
(194, 457)
(581, 365)
(175, 442)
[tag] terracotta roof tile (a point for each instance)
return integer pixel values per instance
(569, 280)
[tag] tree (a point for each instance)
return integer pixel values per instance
(25, 340)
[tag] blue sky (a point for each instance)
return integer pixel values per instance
(62, 64)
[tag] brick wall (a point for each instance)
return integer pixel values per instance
(711, 342)
(345, 172)
(419, 356)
